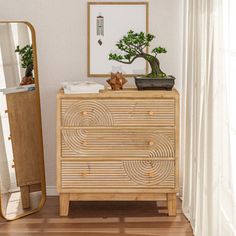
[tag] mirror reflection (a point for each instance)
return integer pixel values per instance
(21, 154)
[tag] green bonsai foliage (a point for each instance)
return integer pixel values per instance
(133, 46)
(26, 57)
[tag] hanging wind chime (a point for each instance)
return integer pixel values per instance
(100, 28)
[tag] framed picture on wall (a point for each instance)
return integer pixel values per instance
(108, 22)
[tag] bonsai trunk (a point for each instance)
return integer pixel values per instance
(29, 70)
(155, 66)
(28, 78)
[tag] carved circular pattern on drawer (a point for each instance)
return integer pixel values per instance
(75, 139)
(161, 146)
(148, 172)
(109, 142)
(87, 113)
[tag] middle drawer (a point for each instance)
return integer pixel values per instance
(118, 142)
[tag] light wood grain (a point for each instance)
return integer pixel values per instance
(64, 204)
(25, 196)
(25, 128)
(58, 143)
(171, 201)
(127, 113)
(128, 93)
(118, 174)
(118, 146)
(118, 197)
(123, 142)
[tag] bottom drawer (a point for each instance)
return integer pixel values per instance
(118, 174)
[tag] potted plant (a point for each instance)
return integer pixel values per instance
(132, 47)
(26, 58)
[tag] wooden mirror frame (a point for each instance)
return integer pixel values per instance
(42, 166)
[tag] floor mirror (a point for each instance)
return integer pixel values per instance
(22, 175)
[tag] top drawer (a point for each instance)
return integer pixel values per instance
(107, 113)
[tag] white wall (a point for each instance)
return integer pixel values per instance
(61, 31)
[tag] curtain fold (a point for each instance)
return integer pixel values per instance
(206, 135)
(24, 37)
(5, 181)
(9, 58)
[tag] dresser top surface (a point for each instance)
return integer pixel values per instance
(126, 93)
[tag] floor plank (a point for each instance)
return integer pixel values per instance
(101, 219)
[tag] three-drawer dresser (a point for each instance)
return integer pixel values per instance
(118, 146)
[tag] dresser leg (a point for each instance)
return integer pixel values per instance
(172, 208)
(64, 204)
(25, 196)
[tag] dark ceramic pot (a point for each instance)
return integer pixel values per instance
(145, 83)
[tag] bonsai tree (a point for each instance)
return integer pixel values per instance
(133, 46)
(26, 57)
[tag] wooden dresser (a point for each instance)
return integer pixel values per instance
(118, 145)
(25, 127)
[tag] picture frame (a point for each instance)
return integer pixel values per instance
(108, 22)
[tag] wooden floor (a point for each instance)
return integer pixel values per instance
(100, 219)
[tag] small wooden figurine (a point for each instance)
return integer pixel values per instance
(117, 81)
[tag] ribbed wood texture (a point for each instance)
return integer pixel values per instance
(125, 174)
(118, 113)
(125, 142)
(129, 142)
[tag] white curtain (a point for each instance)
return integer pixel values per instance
(12, 35)
(5, 181)
(24, 38)
(208, 134)
(9, 65)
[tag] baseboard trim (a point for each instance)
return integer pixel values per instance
(51, 191)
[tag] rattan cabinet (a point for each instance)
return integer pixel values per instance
(116, 146)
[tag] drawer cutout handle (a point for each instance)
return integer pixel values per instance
(84, 173)
(150, 143)
(83, 142)
(151, 174)
(83, 113)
